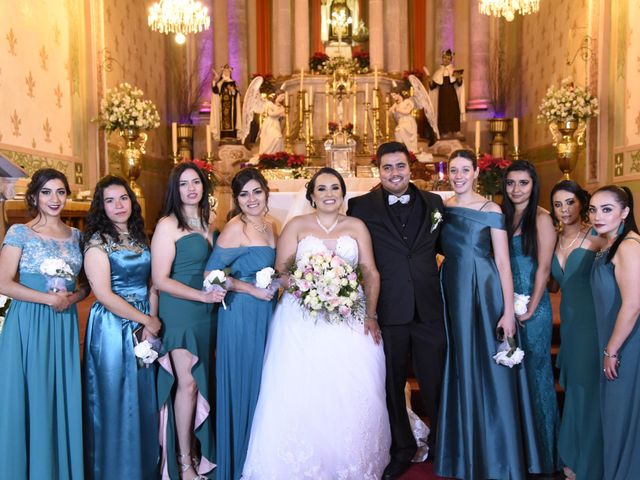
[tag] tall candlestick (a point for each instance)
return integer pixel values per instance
(375, 78)
(301, 79)
(208, 140)
(477, 136)
(516, 139)
(326, 106)
(355, 109)
(174, 138)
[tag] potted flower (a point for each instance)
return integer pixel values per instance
(567, 110)
(291, 165)
(490, 176)
(316, 62)
(362, 59)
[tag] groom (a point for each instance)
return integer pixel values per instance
(404, 223)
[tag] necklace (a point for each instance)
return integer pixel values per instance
(572, 241)
(194, 222)
(258, 227)
(325, 229)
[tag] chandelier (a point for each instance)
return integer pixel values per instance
(178, 16)
(508, 8)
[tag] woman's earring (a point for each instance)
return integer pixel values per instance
(313, 203)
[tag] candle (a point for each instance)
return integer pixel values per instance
(366, 93)
(286, 99)
(326, 105)
(355, 108)
(301, 79)
(478, 136)
(375, 78)
(516, 139)
(311, 96)
(208, 140)
(306, 100)
(174, 138)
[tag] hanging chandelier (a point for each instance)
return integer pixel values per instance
(508, 8)
(181, 17)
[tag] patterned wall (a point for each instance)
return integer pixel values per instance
(35, 77)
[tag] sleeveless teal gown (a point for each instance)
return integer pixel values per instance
(480, 433)
(537, 384)
(620, 398)
(580, 442)
(188, 325)
(40, 386)
(120, 401)
(242, 337)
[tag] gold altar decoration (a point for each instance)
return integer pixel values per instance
(499, 128)
(508, 8)
(131, 151)
(568, 138)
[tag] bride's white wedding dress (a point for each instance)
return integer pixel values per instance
(322, 411)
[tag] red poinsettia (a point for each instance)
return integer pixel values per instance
(280, 160)
(490, 177)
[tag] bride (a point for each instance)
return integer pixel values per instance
(321, 413)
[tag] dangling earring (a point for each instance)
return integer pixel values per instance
(621, 228)
(313, 203)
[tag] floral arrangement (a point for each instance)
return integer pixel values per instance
(280, 160)
(569, 102)
(509, 354)
(490, 177)
(317, 60)
(363, 60)
(4, 306)
(124, 107)
(322, 63)
(146, 352)
(216, 280)
(334, 127)
(264, 277)
(327, 287)
(58, 272)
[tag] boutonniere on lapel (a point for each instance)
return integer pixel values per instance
(436, 218)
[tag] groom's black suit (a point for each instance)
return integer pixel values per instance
(410, 302)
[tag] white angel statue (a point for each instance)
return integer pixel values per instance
(271, 140)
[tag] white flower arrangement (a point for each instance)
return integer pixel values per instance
(509, 354)
(56, 267)
(124, 107)
(569, 102)
(145, 352)
(264, 277)
(327, 287)
(216, 280)
(520, 303)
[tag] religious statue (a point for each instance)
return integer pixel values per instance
(270, 106)
(406, 130)
(449, 101)
(226, 118)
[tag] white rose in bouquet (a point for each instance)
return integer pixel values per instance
(264, 277)
(145, 352)
(216, 280)
(520, 303)
(509, 354)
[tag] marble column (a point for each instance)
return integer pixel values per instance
(282, 46)
(396, 40)
(478, 77)
(220, 34)
(376, 33)
(301, 35)
(444, 25)
(237, 40)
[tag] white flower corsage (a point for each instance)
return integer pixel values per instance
(145, 352)
(264, 277)
(509, 354)
(216, 280)
(520, 303)
(436, 218)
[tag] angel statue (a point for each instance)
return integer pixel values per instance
(271, 140)
(402, 109)
(450, 99)
(225, 120)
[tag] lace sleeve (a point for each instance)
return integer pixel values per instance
(97, 242)
(16, 235)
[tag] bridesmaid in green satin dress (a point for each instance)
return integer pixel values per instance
(120, 401)
(480, 426)
(180, 247)
(532, 239)
(614, 281)
(580, 436)
(246, 246)
(40, 391)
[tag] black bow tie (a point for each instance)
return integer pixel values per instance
(403, 199)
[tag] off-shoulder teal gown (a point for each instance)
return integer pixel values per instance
(120, 401)
(480, 434)
(242, 336)
(40, 386)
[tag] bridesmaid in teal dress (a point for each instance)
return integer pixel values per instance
(120, 402)
(40, 391)
(245, 246)
(580, 442)
(614, 282)
(532, 239)
(179, 250)
(480, 435)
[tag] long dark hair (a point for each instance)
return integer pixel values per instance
(38, 180)
(98, 222)
(312, 183)
(238, 182)
(581, 195)
(624, 198)
(173, 203)
(528, 226)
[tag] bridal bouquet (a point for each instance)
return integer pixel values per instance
(216, 280)
(58, 272)
(327, 286)
(509, 354)
(264, 278)
(146, 351)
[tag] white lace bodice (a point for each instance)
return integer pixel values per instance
(344, 246)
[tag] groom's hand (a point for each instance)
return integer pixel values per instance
(372, 328)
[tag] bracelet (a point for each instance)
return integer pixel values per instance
(610, 355)
(372, 317)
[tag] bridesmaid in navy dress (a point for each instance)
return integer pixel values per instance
(246, 246)
(532, 239)
(614, 282)
(40, 391)
(580, 437)
(120, 418)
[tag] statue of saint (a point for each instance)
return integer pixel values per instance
(449, 102)
(226, 118)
